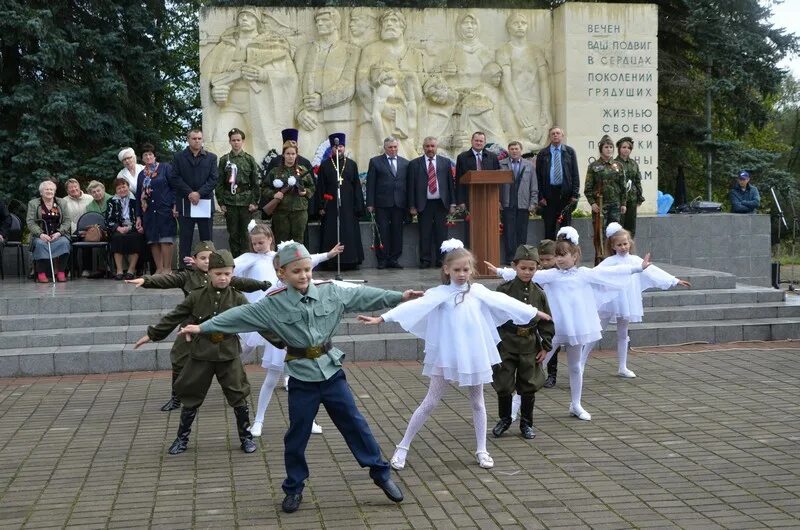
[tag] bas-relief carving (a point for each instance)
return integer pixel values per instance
(372, 73)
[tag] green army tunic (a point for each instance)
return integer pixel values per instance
(188, 280)
(215, 354)
(290, 217)
(237, 213)
(608, 175)
(630, 171)
(519, 344)
(304, 321)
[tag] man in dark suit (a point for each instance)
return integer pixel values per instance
(476, 157)
(430, 197)
(387, 199)
(559, 181)
(193, 177)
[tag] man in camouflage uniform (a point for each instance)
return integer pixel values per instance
(237, 191)
(605, 175)
(632, 175)
(215, 354)
(188, 280)
(522, 348)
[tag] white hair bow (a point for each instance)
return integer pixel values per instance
(251, 225)
(613, 228)
(285, 243)
(568, 233)
(450, 244)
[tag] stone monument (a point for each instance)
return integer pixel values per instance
(410, 73)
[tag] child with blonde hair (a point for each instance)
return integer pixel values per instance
(458, 321)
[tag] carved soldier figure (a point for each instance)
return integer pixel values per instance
(327, 68)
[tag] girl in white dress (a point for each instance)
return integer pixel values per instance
(575, 294)
(627, 306)
(458, 321)
(259, 265)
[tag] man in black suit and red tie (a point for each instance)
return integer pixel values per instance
(387, 199)
(430, 197)
(476, 157)
(559, 182)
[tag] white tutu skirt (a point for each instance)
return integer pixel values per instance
(628, 303)
(460, 329)
(575, 295)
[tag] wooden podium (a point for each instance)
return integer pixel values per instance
(484, 210)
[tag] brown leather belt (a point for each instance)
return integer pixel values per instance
(519, 331)
(312, 352)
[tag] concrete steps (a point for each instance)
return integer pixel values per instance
(91, 326)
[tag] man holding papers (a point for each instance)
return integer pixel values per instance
(194, 176)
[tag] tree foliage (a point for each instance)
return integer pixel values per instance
(81, 79)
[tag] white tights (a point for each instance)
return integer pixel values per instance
(622, 343)
(436, 390)
(267, 387)
(577, 356)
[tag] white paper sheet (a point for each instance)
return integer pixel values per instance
(201, 210)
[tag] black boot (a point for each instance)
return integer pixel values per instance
(180, 443)
(504, 406)
(174, 402)
(243, 426)
(552, 371)
(526, 417)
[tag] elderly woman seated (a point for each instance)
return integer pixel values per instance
(49, 225)
(124, 238)
(100, 198)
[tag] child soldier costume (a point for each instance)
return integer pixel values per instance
(188, 280)
(305, 321)
(209, 355)
(518, 348)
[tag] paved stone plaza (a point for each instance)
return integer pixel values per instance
(706, 437)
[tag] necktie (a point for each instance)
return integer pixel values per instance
(515, 168)
(478, 161)
(393, 165)
(558, 175)
(431, 176)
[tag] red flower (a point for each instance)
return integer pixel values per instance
(315, 170)
(453, 171)
(380, 246)
(467, 218)
(372, 247)
(327, 196)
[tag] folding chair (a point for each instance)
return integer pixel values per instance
(14, 241)
(85, 221)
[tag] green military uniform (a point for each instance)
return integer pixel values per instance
(608, 176)
(211, 355)
(306, 322)
(518, 348)
(290, 217)
(630, 172)
(188, 280)
(237, 212)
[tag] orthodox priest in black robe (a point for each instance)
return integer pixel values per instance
(352, 206)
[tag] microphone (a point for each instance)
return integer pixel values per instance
(336, 142)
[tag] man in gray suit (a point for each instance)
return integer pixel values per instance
(387, 199)
(431, 195)
(517, 199)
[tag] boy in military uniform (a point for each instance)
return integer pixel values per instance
(522, 348)
(605, 182)
(237, 191)
(209, 355)
(305, 316)
(188, 280)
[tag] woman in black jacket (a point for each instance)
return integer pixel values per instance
(124, 238)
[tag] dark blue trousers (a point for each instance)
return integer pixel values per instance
(304, 400)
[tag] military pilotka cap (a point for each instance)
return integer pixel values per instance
(220, 259)
(547, 247)
(527, 252)
(292, 252)
(202, 246)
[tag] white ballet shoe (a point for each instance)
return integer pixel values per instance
(516, 402)
(255, 428)
(398, 461)
(286, 383)
(624, 372)
(484, 460)
(315, 428)
(579, 413)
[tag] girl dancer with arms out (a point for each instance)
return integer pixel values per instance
(458, 321)
(627, 307)
(575, 294)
